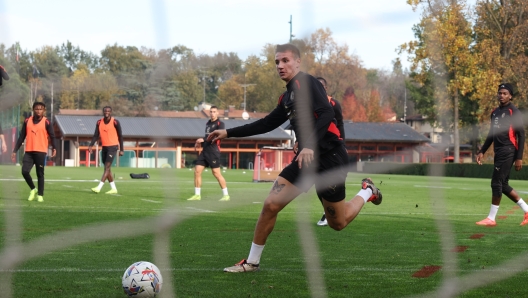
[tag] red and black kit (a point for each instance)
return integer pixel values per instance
(507, 135)
(210, 155)
(316, 130)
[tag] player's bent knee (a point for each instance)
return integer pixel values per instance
(337, 226)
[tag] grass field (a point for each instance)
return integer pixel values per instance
(375, 256)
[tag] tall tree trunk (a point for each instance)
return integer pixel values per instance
(456, 134)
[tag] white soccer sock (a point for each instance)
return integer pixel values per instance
(100, 185)
(493, 212)
(224, 191)
(255, 253)
(197, 191)
(523, 205)
(112, 185)
(365, 194)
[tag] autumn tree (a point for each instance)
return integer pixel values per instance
(443, 51)
(352, 108)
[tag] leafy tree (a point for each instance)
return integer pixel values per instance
(352, 108)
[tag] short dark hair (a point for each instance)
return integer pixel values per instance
(107, 107)
(322, 79)
(38, 103)
(213, 107)
(288, 47)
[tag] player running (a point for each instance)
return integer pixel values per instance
(321, 152)
(507, 135)
(209, 157)
(108, 129)
(38, 133)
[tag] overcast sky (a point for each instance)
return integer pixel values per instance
(372, 29)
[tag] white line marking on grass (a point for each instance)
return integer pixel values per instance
(200, 210)
(257, 202)
(151, 201)
(69, 186)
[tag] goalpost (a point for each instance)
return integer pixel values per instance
(270, 161)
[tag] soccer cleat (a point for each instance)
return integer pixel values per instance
(111, 192)
(40, 198)
(525, 221)
(32, 194)
(487, 222)
(195, 198)
(242, 266)
(96, 189)
(376, 193)
(225, 198)
(322, 222)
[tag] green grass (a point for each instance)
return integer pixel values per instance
(375, 256)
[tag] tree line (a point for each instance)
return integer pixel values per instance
(135, 81)
(459, 56)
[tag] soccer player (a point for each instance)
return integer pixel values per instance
(38, 133)
(210, 156)
(321, 151)
(507, 135)
(109, 131)
(3, 74)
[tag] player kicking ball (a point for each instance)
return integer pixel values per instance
(321, 157)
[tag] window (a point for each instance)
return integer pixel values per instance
(385, 147)
(368, 148)
(248, 146)
(352, 147)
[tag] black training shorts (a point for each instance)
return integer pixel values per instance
(331, 175)
(209, 157)
(108, 154)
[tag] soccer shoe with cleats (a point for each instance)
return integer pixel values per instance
(322, 222)
(32, 194)
(111, 192)
(40, 198)
(195, 198)
(487, 222)
(96, 190)
(376, 193)
(225, 199)
(525, 221)
(242, 266)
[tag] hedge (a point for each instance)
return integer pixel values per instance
(439, 169)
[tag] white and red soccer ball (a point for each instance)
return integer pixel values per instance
(142, 280)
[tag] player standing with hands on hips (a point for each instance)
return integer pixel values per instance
(507, 135)
(321, 158)
(38, 133)
(109, 131)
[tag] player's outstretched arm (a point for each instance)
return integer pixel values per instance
(217, 135)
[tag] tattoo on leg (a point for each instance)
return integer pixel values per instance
(330, 211)
(277, 187)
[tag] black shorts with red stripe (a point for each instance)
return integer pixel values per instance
(331, 175)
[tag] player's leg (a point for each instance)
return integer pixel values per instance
(27, 165)
(514, 196)
(198, 170)
(112, 151)
(281, 194)
(40, 160)
(498, 180)
(104, 156)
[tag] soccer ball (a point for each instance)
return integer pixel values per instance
(142, 279)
